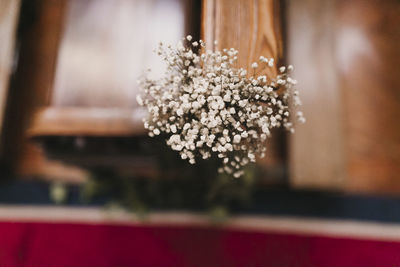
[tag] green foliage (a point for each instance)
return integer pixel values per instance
(180, 185)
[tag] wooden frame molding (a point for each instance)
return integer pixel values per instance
(78, 121)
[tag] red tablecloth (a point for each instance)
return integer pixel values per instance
(59, 244)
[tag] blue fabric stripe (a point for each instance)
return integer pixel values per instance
(280, 202)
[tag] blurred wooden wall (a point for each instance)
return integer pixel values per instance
(368, 58)
(347, 57)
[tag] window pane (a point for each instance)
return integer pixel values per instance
(106, 46)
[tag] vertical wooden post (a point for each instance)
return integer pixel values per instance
(39, 33)
(250, 26)
(253, 27)
(9, 13)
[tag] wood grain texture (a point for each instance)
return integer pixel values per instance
(9, 12)
(254, 29)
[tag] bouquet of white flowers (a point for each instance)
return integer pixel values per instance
(207, 107)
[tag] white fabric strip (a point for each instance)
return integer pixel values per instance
(278, 224)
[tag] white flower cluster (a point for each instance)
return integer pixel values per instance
(207, 107)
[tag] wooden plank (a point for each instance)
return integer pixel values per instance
(75, 121)
(9, 12)
(317, 149)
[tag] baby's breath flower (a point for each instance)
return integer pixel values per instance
(208, 108)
